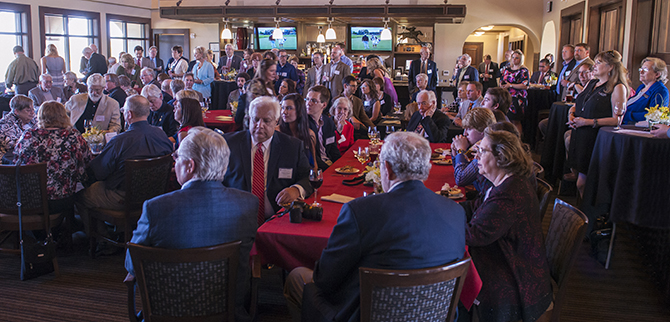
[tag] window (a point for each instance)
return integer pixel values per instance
(127, 32)
(71, 31)
(14, 30)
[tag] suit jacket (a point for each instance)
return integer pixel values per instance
(494, 70)
(436, 127)
(37, 95)
(400, 235)
(535, 78)
(158, 66)
(119, 95)
(96, 64)
(328, 139)
(201, 214)
(565, 71)
(471, 74)
(164, 118)
(415, 69)
(233, 64)
(285, 153)
(310, 78)
(107, 115)
(335, 79)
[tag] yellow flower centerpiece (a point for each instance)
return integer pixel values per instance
(658, 115)
(94, 135)
(373, 174)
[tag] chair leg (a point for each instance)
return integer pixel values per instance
(609, 251)
(92, 235)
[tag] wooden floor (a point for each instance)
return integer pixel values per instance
(92, 289)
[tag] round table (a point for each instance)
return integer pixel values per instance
(538, 100)
(220, 92)
(553, 153)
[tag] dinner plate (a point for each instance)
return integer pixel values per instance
(458, 196)
(443, 162)
(441, 151)
(351, 171)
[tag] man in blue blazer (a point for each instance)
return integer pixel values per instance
(282, 158)
(204, 212)
(408, 227)
(464, 72)
(429, 121)
(423, 65)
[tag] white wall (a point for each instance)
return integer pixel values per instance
(490, 42)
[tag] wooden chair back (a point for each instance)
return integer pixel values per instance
(544, 189)
(196, 284)
(145, 179)
(427, 294)
(34, 197)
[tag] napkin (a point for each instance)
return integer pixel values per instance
(636, 133)
(337, 198)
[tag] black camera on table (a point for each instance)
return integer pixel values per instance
(300, 209)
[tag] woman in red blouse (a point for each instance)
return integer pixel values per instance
(342, 112)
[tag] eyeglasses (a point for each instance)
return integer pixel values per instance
(313, 100)
(481, 150)
(424, 103)
(643, 69)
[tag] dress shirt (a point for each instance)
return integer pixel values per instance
(560, 76)
(318, 71)
(322, 147)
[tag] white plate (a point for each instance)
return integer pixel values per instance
(353, 171)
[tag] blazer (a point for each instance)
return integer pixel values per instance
(329, 139)
(471, 74)
(436, 127)
(415, 69)
(201, 214)
(96, 64)
(535, 78)
(335, 79)
(412, 227)
(158, 66)
(310, 78)
(656, 95)
(285, 153)
(494, 70)
(107, 115)
(37, 95)
(234, 64)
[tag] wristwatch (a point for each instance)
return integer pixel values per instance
(595, 123)
(460, 151)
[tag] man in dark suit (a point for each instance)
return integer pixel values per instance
(540, 76)
(96, 63)
(231, 61)
(323, 126)
(155, 60)
(464, 72)
(423, 66)
(380, 231)
(271, 165)
(428, 121)
(488, 73)
(204, 212)
(162, 113)
(114, 90)
(140, 60)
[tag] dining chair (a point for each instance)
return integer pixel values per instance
(34, 204)
(544, 189)
(426, 294)
(194, 284)
(144, 179)
(566, 231)
(538, 170)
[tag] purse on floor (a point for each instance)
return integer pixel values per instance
(37, 256)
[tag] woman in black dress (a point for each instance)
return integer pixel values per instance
(594, 108)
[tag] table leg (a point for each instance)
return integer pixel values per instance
(609, 251)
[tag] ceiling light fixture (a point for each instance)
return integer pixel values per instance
(487, 28)
(225, 33)
(386, 33)
(479, 33)
(320, 38)
(277, 33)
(330, 33)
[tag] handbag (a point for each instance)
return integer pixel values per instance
(37, 257)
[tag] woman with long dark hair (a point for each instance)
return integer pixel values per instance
(268, 74)
(294, 121)
(188, 113)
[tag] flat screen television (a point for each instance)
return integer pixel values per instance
(265, 40)
(368, 39)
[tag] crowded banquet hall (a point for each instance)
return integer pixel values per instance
(255, 160)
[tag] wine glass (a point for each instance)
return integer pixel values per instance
(619, 111)
(373, 133)
(396, 108)
(316, 180)
(87, 125)
(362, 155)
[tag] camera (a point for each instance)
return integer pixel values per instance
(299, 210)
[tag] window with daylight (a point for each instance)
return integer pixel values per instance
(127, 32)
(14, 30)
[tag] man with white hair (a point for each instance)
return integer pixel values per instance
(96, 63)
(102, 110)
(203, 212)
(162, 114)
(380, 231)
(429, 121)
(45, 91)
(270, 164)
(148, 77)
(464, 72)
(230, 61)
(141, 140)
(425, 66)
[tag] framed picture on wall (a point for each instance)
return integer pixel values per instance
(214, 47)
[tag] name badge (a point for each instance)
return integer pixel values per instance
(330, 140)
(283, 74)
(285, 173)
(645, 95)
(382, 102)
(58, 99)
(490, 70)
(336, 72)
(342, 139)
(366, 103)
(466, 77)
(567, 73)
(430, 71)
(99, 118)
(132, 72)
(603, 94)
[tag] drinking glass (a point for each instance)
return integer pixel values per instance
(362, 155)
(619, 111)
(373, 133)
(316, 180)
(396, 108)
(87, 125)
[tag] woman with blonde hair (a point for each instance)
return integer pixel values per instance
(203, 72)
(210, 59)
(594, 107)
(53, 65)
(64, 150)
(375, 68)
(515, 79)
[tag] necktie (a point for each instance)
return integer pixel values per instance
(229, 62)
(486, 71)
(139, 62)
(541, 80)
(423, 67)
(258, 182)
(470, 106)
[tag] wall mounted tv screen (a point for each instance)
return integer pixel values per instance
(267, 42)
(369, 39)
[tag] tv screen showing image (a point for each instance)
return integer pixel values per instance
(267, 42)
(369, 39)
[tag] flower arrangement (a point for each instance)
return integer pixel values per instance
(551, 80)
(373, 175)
(94, 135)
(230, 75)
(658, 115)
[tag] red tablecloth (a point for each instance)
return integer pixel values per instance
(214, 119)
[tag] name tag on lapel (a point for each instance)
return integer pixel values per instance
(285, 173)
(382, 102)
(567, 73)
(466, 77)
(336, 72)
(283, 74)
(603, 94)
(366, 103)
(430, 71)
(99, 118)
(490, 70)
(330, 140)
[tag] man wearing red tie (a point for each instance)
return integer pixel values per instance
(489, 73)
(230, 61)
(142, 61)
(271, 165)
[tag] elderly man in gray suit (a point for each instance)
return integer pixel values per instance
(336, 71)
(46, 92)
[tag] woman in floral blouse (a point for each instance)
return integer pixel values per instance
(515, 79)
(62, 147)
(12, 125)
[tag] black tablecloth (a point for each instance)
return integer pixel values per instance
(538, 99)
(630, 173)
(553, 153)
(220, 92)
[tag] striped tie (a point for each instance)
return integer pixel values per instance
(258, 182)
